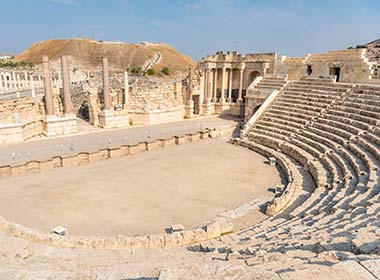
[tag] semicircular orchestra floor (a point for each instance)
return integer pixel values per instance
(142, 194)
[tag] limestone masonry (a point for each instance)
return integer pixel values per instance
(316, 119)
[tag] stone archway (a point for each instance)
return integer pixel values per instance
(252, 76)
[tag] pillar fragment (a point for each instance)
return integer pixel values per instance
(215, 97)
(222, 97)
(240, 97)
(68, 106)
(126, 88)
(230, 85)
(106, 85)
(49, 106)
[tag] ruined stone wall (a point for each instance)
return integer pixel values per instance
(154, 94)
(294, 67)
(22, 109)
(145, 93)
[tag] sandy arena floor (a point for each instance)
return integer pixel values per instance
(142, 194)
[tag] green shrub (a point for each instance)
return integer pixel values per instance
(136, 70)
(130, 122)
(150, 72)
(165, 71)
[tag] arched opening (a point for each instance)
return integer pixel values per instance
(252, 76)
(84, 112)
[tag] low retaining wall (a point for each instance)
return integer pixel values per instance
(109, 153)
(19, 132)
(157, 116)
(205, 232)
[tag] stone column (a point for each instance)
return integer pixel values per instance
(68, 105)
(32, 87)
(240, 98)
(126, 88)
(106, 85)
(190, 84)
(222, 97)
(214, 96)
(207, 85)
(204, 85)
(47, 85)
(230, 85)
(189, 108)
(26, 82)
(13, 79)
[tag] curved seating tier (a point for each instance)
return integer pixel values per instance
(331, 130)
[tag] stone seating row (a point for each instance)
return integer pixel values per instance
(306, 97)
(286, 101)
(340, 151)
(293, 178)
(358, 151)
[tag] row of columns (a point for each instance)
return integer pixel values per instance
(67, 103)
(211, 81)
(49, 103)
(17, 80)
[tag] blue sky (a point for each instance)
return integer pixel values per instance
(196, 27)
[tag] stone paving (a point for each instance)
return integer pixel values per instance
(92, 140)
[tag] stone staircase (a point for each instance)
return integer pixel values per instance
(271, 82)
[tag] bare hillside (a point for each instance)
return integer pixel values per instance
(87, 53)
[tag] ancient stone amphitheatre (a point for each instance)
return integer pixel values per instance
(121, 161)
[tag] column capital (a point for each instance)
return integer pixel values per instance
(242, 66)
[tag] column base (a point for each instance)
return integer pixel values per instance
(238, 109)
(189, 109)
(207, 108)
(58, 126)
(113, 119)
(222, 107)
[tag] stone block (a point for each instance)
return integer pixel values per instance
(94, 156)
(135, 149)
(177, 228)
(83, 158)
(272, 161)
(32, 166)
(69, 161)
(153, 145)
(59, 230)
(180, 139)
(116, 153)
(113, 119)
(226, 228)
(204, 135)
(5, 171)
(20, 169)
(213, 230)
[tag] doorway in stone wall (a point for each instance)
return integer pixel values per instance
(335, 71)
(196, 104)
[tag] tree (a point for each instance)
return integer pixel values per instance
(165, 71)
